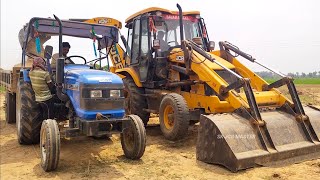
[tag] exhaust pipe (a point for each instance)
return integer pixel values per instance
(180, 22)
(183, 43)
(60, 65)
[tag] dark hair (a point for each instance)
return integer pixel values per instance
(66, 44)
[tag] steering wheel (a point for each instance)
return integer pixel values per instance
(69, 58)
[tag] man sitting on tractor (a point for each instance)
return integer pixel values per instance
(65, 50)
(42, 86)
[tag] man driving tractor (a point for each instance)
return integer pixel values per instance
(65, 50)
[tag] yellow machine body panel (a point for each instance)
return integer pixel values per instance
(152, 9)
(206, 73)
(211, 104)
(105, 21)
(132, 74)
(265, 98)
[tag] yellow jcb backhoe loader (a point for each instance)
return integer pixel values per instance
(170, 68)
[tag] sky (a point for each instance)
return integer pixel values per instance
(282, 34)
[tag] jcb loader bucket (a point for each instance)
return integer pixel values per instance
(234, 142)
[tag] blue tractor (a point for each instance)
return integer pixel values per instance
(90, 101)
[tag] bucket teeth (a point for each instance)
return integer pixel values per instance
(234, 142)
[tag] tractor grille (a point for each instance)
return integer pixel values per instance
(105, 102)
(101, 104)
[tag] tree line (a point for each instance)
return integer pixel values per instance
(268, 74)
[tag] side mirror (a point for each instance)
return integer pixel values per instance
(211, 45)
(48, 52)
(156, 44)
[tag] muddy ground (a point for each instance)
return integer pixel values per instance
(87, 158)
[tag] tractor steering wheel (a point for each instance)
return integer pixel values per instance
(69, 58)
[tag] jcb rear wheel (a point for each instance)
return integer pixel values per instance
(49, 145)
(134, 102)
(174, 116)
(133, 138)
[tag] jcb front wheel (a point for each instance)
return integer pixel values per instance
(49, 145)
(174, 117)
(133, 138)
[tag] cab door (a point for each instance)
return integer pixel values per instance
(140, 48)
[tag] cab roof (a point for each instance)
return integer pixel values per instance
(106, 28)
(153, 9)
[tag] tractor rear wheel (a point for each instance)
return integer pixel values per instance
(49, 145)
(28, 115)
(174, 117)
(10, 108)
(134, 102)
(133, 138)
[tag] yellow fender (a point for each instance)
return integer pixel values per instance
(122, 72)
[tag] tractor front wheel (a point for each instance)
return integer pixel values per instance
(133, 138)
(49, 145)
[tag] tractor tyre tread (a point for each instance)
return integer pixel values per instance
(30, 116)
(136, 102)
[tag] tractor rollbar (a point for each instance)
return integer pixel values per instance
(285, 80)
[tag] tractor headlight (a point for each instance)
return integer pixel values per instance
(96, 93)
(114, 93)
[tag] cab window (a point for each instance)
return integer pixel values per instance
(144, 37)
(129, 45)
(136, 42)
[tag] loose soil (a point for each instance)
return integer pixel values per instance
(87, 158)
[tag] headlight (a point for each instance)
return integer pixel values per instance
(114, 93)
(96, 93)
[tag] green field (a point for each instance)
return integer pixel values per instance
(299, 80)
